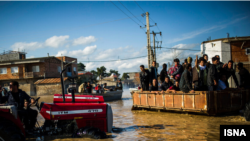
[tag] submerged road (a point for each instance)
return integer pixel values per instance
(151, 125)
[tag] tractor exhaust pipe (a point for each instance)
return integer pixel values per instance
(62, 82)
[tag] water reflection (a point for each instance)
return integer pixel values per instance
(151, 125)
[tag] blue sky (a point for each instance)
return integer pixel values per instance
(78, 29)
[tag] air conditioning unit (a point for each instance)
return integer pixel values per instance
(247, 51)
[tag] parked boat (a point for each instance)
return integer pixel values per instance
(108, 95)
(204, 102)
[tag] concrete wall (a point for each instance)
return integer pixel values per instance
(48, 89)
(226, 52)
(26, 85)
(212, 49)
(12, 56)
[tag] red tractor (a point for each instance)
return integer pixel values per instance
(81, 115)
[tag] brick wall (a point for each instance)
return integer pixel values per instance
(10, 75)
(237, 53)
(51, 67)
(69, 59)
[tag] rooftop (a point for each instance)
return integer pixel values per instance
(50, 80)
(226, 40)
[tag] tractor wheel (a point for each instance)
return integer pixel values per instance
(10, 132)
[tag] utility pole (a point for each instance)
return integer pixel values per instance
(154, 34)
(154, 58)
(148, 40)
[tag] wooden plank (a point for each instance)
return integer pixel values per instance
(200, 101)
(136, 99)
(178, 101)
(151, 99)
(159, 100)
(189, 101)
(169, 101)
(144, 100)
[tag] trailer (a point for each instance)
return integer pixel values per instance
(203, 102)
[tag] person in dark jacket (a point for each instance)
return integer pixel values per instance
(244, 76)
(166, 84)
(229, 71)
(174, 87)
(186, 80)
(212, 76)
(207, 63)
(163, 73)
(177, 73)
(89, 88)
(200, 75)
(153, 72)
(18, 97)
(219, 65)
(154, 86)
(184, 64)
(144, 78)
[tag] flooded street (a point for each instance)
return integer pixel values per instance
(152, 125)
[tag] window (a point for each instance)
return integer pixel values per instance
(35, 69)
(74, 70)
(59, 69)
(14, 69)
(247, 51)
(3, 70)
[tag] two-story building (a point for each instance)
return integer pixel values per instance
(15, 66)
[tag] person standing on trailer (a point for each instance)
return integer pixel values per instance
(153, 72)
(212, 76)
(163, 73)
(229, 71)
(144, 78)
(166, 84)
(186, 80)
(200, 75)
(154, 86)
(244, 76)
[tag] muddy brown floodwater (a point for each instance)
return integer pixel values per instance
(152, 125)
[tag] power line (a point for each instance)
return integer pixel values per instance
(116, 59)
(149, 17)
(125, 13)
(139, 6)
(132, 13)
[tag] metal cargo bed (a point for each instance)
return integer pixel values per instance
(204, 102)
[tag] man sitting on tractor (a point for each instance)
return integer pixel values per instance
(17, 97)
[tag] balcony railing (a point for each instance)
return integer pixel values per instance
(33, 74)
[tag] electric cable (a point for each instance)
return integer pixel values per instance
(124, 13)
(131, 13)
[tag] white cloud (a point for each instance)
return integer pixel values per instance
(205, 30)
(56, 41)
(62, 53)
(26, 46)
(84, 40)
(163, 56)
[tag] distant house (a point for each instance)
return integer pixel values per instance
(15, 66)
(234, 48)
(84, 76)
(132, 81)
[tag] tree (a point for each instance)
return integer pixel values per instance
(81, 67)
(101, 71)
(113, 71)
(124, 76)
(94, 76)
